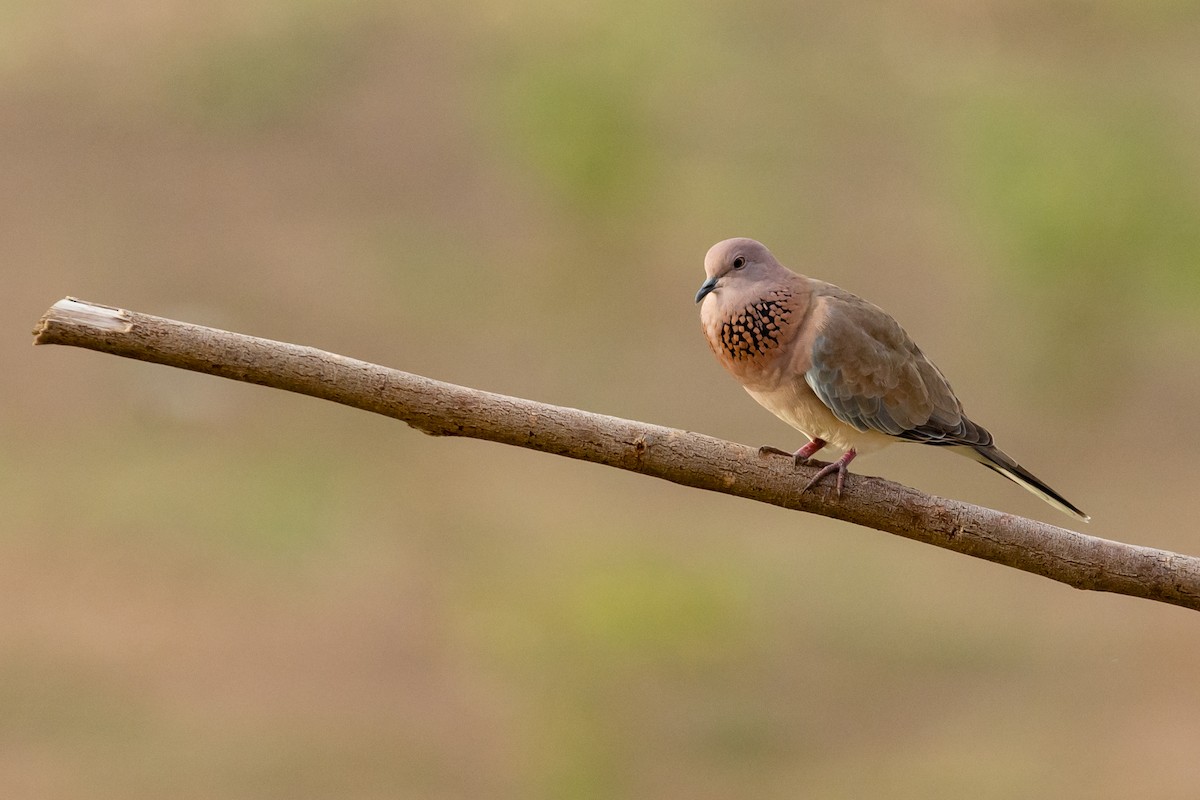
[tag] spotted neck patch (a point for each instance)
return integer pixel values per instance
(756, 329)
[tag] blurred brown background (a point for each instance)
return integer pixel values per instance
(216, 590)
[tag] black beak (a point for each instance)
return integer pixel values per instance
(705, 288)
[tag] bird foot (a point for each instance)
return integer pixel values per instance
(801, 456)
(840, 467)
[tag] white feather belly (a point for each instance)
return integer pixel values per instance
(798, 406)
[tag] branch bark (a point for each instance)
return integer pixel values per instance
(683, 457)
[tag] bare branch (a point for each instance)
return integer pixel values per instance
(690, 459)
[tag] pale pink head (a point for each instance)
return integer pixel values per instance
(737, 269)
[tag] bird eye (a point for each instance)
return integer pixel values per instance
(739, 262)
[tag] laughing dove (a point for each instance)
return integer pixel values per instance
(835, 367)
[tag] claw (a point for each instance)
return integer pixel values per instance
(839, 466)
(800, 456)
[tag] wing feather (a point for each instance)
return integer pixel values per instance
(872, 376)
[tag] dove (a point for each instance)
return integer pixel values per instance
(838, 369)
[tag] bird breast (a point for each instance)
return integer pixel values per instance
(751, 340)
(754, 332)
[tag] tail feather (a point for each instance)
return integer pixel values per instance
(996, 459)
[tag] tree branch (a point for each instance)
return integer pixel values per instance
(683, 457)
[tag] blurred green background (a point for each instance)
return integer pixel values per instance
(215, 590)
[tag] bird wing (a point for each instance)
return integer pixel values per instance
(871, 375)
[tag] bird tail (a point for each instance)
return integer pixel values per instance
(996, 459)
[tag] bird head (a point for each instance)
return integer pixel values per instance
(736, 267)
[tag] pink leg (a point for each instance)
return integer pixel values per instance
(838, 466)
(800, 456)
